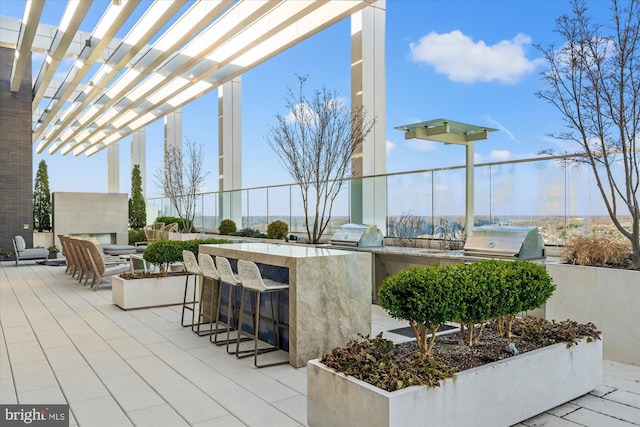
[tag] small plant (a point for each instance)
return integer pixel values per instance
(53, 249)
(227, 227)
(374, 361)
(597, 251)
(277, 229)
(247, 232)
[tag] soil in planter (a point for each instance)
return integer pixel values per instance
(149, 275)
(385, 366)
(528, 335)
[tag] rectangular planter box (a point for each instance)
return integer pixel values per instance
(142, 293)
(501, 393)
(608, 297)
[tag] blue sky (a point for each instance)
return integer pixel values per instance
(470, 61)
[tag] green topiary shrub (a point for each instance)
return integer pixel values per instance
(163, 253)
(526, 286)
(227, 226)
(427, 297)
(483, 296)
(470, 294)
(277, 230)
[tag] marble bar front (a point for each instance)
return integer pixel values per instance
(329, 292)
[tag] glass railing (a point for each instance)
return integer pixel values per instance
(560, 198)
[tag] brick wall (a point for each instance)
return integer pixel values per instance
(16, 155)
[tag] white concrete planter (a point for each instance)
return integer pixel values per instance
(43, 239)
(142, 293)
(608, 297)
(184, 236)
(502, 393)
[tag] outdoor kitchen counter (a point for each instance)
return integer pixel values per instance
(329, 292)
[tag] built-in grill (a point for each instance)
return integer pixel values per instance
(508, 242)
(352, 236)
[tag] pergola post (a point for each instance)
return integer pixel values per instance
(368, 204)
(139, 156)
(230, 151)
(113, 167)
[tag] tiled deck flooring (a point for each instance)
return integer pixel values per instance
(61, 342)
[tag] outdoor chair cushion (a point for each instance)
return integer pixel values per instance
(118, 249)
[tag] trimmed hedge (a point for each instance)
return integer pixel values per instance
(163, 253)
(469, 294)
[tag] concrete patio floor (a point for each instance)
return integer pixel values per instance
(61, 342)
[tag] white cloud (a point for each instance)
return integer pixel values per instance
(422, 145)
(390, 147)
(464, 60)
(500, 155)
(301, 110)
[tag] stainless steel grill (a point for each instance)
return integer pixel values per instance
(351, 236)
(505, 242)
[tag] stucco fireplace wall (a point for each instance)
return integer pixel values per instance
(103, 217)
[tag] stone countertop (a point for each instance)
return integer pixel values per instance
(276, 254)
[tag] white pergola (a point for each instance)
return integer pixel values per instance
(175, 52)
(209, 43)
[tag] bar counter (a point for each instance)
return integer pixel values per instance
(329, 292)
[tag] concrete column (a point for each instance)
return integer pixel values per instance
(139, 156)
(368, 90)
(173, 130)
(230, 151)
(113, 167)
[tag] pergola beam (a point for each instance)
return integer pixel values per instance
(259, 42)
(73, 15)
(113, 19)
(32, 12)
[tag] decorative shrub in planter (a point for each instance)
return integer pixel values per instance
(140, 289)
(277, 229)
(504, 392)
(227, 227)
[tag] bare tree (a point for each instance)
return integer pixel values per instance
(594, 81)
(407, 228)
(315, 143)
(181, 179)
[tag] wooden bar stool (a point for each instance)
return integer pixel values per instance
(253, 282)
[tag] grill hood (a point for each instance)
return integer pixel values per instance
(356, 236)
(505, 242)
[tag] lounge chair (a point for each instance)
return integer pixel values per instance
(22, 253)
(98, 266)
(69, 256)
(152, 232)
(169, 228)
